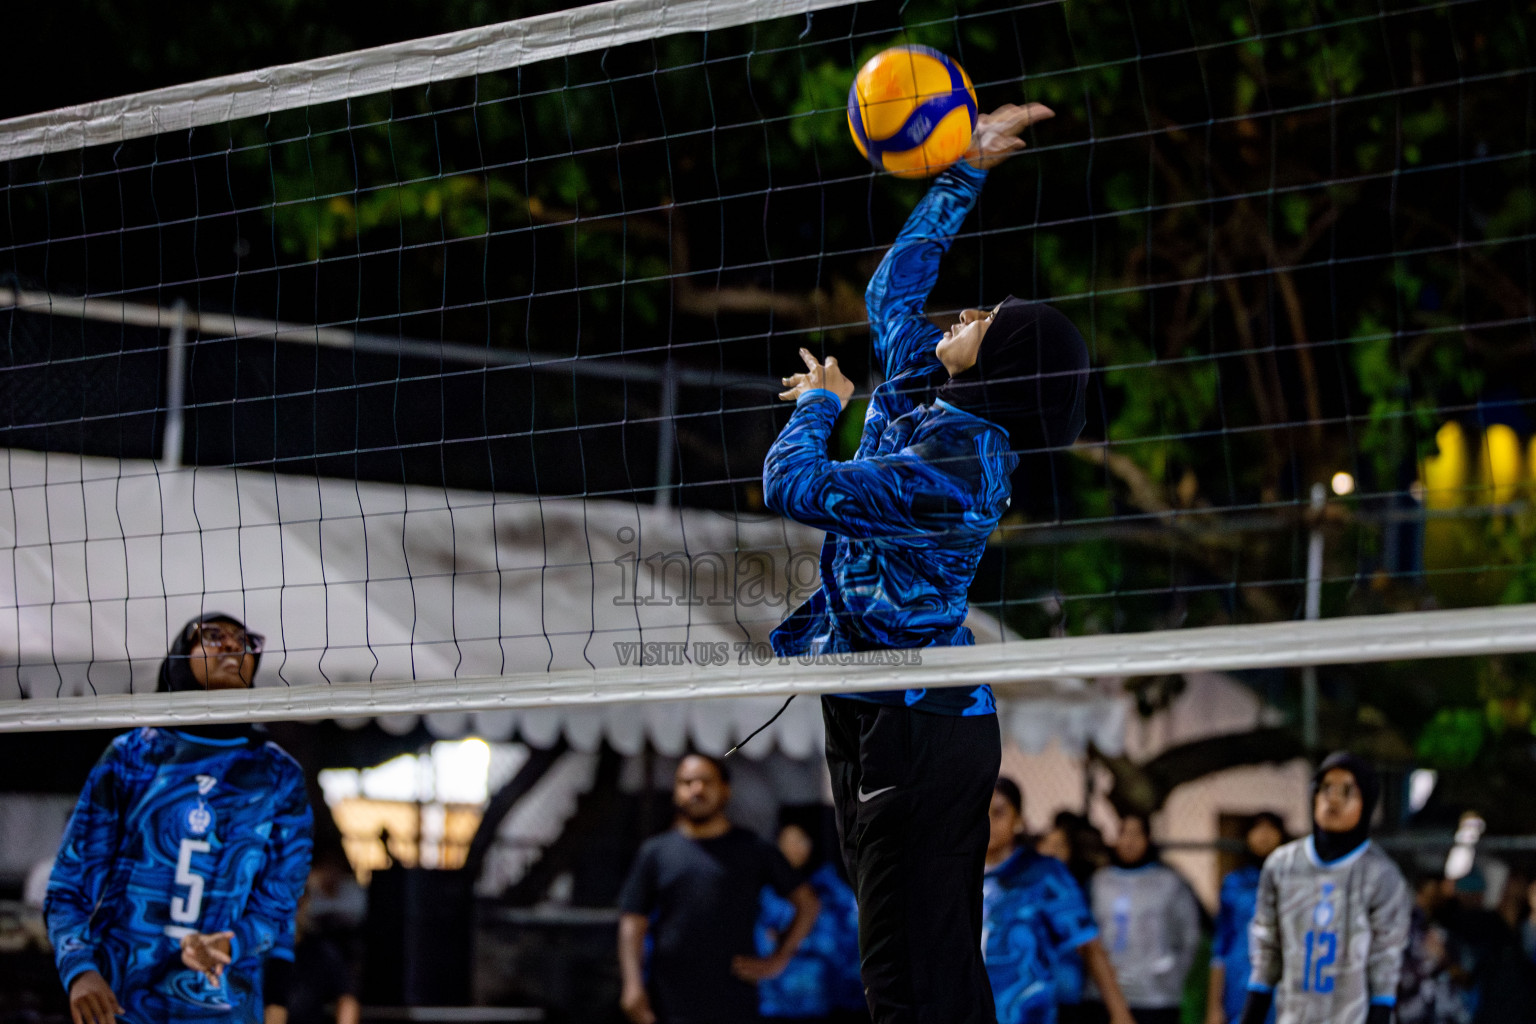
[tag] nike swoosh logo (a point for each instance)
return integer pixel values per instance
(865, 798)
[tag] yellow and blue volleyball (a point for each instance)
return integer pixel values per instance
(912, 111)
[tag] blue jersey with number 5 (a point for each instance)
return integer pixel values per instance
(176, 833)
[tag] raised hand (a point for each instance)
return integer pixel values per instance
(818, 375)
(997, 134)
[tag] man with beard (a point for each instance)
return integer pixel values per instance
(694, 891)
(181, 868)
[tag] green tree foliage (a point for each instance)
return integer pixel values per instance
(1297, 236)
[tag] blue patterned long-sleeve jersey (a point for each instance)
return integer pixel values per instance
(907, 518)
(823, 975)
(1033, 914)
(176, 833)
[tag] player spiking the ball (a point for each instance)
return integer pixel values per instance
(1332, 915)
(907, 521)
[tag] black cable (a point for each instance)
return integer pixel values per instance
(760, 728)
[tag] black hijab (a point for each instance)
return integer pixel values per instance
(176, 675)
(1149, 856)
(1333, 845)
(1263, 817)
(1030, 377)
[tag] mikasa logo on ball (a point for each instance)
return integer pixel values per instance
(911, 111)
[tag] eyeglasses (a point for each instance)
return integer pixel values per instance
(1338, 790)
(213, 635)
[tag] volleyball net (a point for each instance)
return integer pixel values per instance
(450, 365)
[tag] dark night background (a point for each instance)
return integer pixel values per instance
(1298, 238)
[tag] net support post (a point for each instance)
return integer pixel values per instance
(1309, 698)
(175, 388)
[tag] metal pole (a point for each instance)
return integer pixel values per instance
(223, 326)
(175, 388)
(1087, 784)
(666, 441)
(1309, 730)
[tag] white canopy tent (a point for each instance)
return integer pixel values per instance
(101, 560)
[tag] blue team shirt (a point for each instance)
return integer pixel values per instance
(1071, 979)
(907, 518)
(823, 975)
(1239, 897)
(1033, 914)
(176, 833)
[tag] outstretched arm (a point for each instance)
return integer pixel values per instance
(893, 496)
(899, 289)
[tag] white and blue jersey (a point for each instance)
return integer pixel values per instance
(1328, 936)
(1151, 924)
(176, 833)
(1033, 915)
(908, 517)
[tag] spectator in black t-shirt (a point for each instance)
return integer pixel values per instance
(695, 889)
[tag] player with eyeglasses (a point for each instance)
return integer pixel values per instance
(181, 868)
(1332, 915)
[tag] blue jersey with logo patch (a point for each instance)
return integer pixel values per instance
(907, 518)
(1033, 914)
(176, 833)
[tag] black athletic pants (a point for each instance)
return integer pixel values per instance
(911, 791)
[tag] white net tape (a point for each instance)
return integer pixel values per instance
(343, 76)
(1036, 667)
(332, 652)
